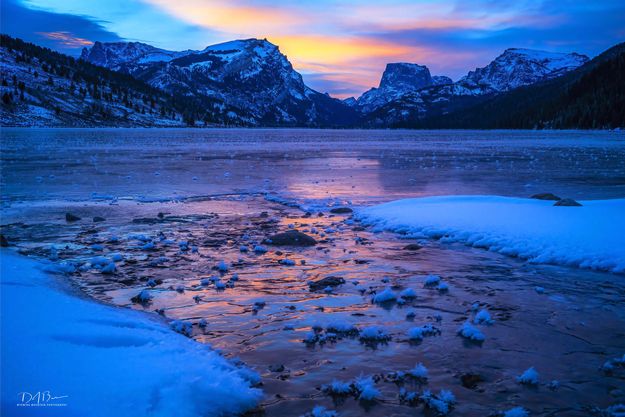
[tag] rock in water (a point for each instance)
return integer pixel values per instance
(330, 281)
(567, 202)
(412, 246)
(3, 241)
(341, 210)
(470, 380)
(71, 217)
(546, 196)
(98, 219)
(291, 238)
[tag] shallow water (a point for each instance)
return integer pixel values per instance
(223, 189)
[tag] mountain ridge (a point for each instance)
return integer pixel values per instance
(249, 82)
(249, 74)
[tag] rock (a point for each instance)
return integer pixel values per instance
(341, 210)
(470, 380)
(412, 246)
(546, 196)
(567, 202)
(276, 368)
(3, 241)
(98, 219)
(71, 217)
(291, 238)
(321, 284)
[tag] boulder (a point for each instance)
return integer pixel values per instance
(291, 238)
(3, 241)
(471, 380)
(71, 217)
(321, 284)
(98, 219)
(341, 210)
(546, 196)
(412, 247)
(567, 202)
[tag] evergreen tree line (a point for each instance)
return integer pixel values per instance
(101, 84)
(590, 97)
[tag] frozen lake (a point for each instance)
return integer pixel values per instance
(221, 190)
(362, 166)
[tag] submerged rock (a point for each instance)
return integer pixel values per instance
(413, 247)
(471, 380)
(98, 219)
(276, 368)
(546, 196)
(3, 241)
(321, 284)
(567, 202)
(291, 238)
(71, 217)
(341, 210)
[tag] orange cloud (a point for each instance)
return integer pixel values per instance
(66, 38)
(231, 17)
(331, 50)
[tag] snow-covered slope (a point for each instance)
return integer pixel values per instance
(251, 74)
(518, 67)
(49, 92)
(590, 236)
(57, 343)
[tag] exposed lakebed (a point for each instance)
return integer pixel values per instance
(566, 329)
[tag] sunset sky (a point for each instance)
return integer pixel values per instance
(340, 47)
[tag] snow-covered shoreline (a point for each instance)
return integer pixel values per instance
(591, 236)
(106, 360)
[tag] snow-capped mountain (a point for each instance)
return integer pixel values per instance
(120, 55)
(518, 67)
(252, 75)
(512, 69)
(48, 89)
(441, 80)
(398, 79)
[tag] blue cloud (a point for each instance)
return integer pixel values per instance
(35, 26)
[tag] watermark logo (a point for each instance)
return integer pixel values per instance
(41, 399)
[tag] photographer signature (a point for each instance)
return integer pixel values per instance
(39, 398)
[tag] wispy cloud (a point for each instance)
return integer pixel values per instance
(66, 38)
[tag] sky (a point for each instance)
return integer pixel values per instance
(339, 46)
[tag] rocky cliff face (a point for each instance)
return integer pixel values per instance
(252, 75)
(397, 80)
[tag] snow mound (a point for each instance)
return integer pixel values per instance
(590, 236)
(516, 412)
(469, 332)
(529, 377)
(107, 361)
(385, 296)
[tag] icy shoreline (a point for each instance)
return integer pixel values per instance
(106, 360)
(591, 236)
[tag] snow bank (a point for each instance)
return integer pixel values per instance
(108, 361)
(591, 236)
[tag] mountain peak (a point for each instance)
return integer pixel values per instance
(251, 75)
(405, 76)
(517, 67)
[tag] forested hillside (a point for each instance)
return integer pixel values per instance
(590, 97)
(40, 87)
